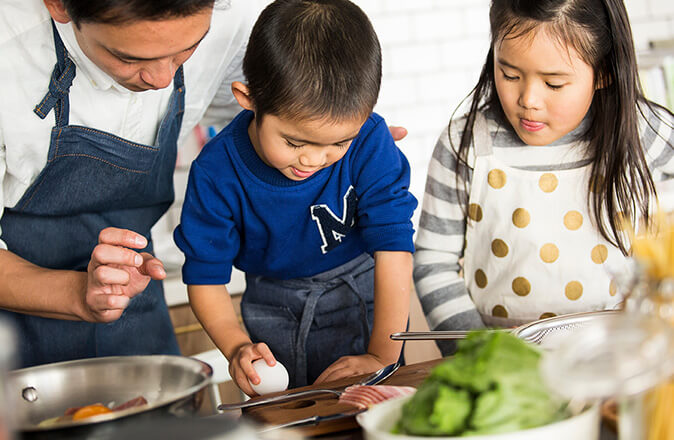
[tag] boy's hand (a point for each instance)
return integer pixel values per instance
(347, 366)
(241, 365)
(116, 273)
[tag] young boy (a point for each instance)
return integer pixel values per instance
(300, 191)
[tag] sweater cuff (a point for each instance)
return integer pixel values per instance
(388, 238)
(205, 273)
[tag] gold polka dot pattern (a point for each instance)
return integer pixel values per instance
(599, 254)
(547, 315)
(548, 182)
(521, 286)
(549, 253)
(573, 220)
(612, 288)
(499, 248)
(573, 290)
(481, 279)
(496, 178)
(521, 218)
(475, 212)
(499, 311)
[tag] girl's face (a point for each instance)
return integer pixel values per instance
(300, 149)
(545, 90)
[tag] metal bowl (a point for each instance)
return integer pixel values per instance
(172, 384)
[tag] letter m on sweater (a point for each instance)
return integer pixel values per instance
(331, 227)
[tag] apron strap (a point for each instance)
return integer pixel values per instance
(305, 325)
(481, 136)
(308, 313)
(351, 282)
(59, 85)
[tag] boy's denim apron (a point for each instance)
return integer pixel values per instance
(309, 323)
(93, 180)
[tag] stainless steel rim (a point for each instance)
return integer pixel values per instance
(203, 368)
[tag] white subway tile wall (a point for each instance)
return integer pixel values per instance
(433, 51)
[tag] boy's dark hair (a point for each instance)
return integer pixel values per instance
(620, 186)
(125, 11)
(313, 59)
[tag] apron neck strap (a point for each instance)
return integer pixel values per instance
(481, 137)
(59, 84)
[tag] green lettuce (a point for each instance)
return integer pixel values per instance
(491, 385)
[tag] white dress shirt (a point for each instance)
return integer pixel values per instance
(96, 100)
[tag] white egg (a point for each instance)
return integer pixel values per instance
(272, 379)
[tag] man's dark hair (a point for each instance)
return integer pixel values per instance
(125, 11)
(313, 59)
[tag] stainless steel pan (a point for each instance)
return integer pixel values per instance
(172, 384)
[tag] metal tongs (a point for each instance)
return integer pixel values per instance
(374, 378)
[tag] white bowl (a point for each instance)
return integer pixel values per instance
(378, 421)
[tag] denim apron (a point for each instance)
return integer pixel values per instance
(309, 323)
(93, 180)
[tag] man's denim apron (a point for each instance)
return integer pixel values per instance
(93, 180)
(309, 323)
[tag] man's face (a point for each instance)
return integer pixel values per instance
(143, 55)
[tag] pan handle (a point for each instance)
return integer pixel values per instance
(434, 335)
(429, 336)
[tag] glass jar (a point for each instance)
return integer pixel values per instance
(649, 415)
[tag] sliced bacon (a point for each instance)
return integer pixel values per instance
(364, 396)
(138, 401)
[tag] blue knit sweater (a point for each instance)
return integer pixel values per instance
(240, 212)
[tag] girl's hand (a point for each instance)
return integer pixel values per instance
(241, 365)
(116, 274)
(347, 366)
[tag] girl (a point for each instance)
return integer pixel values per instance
(532, 186)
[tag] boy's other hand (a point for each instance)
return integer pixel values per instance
(241, 365)
(348, 366)
(116, 273)
(398, 133)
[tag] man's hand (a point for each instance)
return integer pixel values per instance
(116, 274)
(398, 133)
(347, 366)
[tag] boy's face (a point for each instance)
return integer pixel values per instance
(545, 90)
(299, 149)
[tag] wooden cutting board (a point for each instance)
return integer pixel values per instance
(325, 405)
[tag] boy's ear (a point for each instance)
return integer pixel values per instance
(241, 94)
(57, 11)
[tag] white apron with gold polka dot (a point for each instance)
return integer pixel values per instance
(532, 250)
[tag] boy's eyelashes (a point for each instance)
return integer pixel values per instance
(515, 78)
(339, 145)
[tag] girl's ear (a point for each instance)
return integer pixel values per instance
(57, 11)
(242, 96)
(603, 81)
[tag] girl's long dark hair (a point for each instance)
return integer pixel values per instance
(620, 183)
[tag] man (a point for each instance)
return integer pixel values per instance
(96, 95)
